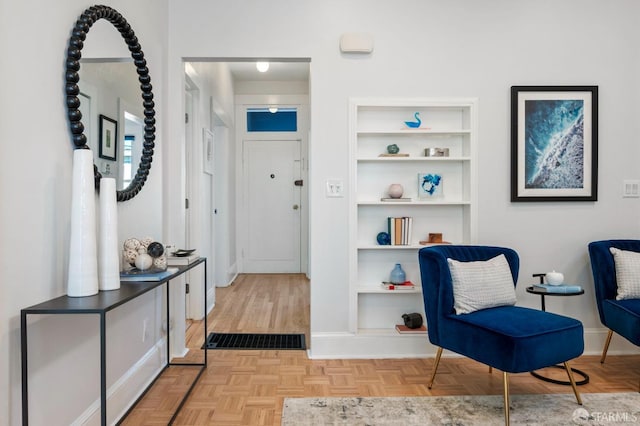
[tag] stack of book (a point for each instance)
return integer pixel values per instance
(136, 275)
(399, 229)
(563, 288)
(403, 329)
(407, 285)
(182, 260)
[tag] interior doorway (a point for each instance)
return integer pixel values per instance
(226, 89)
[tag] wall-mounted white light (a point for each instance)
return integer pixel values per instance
(262, 66)
(356, 43)
(273, 109)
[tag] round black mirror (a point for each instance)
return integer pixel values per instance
(74, 54)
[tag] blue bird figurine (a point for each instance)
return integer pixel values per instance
(414, 124)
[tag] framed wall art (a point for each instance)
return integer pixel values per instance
(207, 151)
(108, 138)
(554, 143)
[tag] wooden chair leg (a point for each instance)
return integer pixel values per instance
(505, 377)
(490, 369)
(606, 346)
(573, 382)
(435, 368)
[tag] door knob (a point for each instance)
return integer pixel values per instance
(296, 207)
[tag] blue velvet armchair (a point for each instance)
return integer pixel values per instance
(621, 316)
(509, 338)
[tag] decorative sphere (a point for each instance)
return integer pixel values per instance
(393, 149)
(383, 239)
(554, 278)
(155, 249)
(132, 243)
(143, 261)
(395, 190)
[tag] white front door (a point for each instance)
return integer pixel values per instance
(272, 204)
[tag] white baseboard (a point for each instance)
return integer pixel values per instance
(122, 394)
(372, 346)
(231, 277)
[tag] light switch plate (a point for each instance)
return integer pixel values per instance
(631, 189)
(335, 188)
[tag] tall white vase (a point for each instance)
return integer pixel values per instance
(83, 256)
(108, 254)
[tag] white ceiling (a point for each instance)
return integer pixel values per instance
(278, 71)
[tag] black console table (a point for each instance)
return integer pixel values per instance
(100, 304)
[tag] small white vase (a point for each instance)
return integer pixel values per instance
(82, 279)
(108, 261)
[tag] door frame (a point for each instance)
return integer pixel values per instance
(301, 102)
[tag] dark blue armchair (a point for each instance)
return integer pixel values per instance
(621, 316)
(509, 338)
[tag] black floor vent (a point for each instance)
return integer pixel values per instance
(255, 341)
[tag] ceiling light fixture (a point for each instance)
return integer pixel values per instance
(273, 109)
(262, 66)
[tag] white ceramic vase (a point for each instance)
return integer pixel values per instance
(83, 257)
(108, 260)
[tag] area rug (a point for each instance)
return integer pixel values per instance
(544, 410)
(254, 341)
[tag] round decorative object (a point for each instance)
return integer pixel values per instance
(160, 262)
(155, 249)
(554, 278)
(129, 256)
(395, 190)
(146, 241)
(393, 149)
(74, 55)
(397, 276)
(143, 261)
(383, 239)
(132, 244)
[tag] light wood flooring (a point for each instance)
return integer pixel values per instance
(248, 387)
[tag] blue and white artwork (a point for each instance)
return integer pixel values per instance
(429, 185)
(554, 144)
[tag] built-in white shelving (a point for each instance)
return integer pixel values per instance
(375, 123)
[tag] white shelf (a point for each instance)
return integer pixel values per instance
(376, 123)
(379, 290)
(410, 158)
(413, 203)
(415, 132)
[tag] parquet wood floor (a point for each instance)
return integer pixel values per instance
(248, 387)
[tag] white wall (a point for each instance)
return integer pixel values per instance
(35, 184)
(422, 48)
(459, 48)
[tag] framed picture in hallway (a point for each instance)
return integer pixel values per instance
(207, 151)
(554, 143)
(108, 138)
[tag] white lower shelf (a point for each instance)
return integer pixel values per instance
(389, 332)
(380, 290)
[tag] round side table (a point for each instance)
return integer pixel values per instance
(542, 294)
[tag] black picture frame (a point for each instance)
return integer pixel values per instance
(554, 143)
(108, 138)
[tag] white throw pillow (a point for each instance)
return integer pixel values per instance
(627, 273)
(482, 284)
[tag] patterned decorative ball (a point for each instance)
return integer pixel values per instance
(129, 256)
(146, 241)
(160, 262)
(132, 243)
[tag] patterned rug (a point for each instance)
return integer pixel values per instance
(544, 410)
